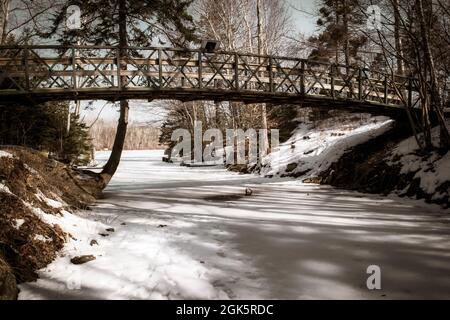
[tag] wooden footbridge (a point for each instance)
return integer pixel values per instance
(50, 73)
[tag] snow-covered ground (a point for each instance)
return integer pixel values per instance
(314, 148)
(433, 170)
(192, 233)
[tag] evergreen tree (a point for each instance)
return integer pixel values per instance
(338, 40)
(44, 128)
(126, 23)
(105, 22)
(76, 144)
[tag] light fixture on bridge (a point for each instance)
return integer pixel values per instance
(210, 45)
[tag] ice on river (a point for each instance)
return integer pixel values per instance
(191, 233)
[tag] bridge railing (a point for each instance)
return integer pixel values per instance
(47, 69)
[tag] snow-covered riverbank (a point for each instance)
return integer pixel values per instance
(192, 233)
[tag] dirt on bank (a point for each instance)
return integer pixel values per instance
(31, 185)
(370, 176)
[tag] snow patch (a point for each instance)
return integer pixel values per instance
(18, 223)
(4, 188)
(50, 202)
(40, 237)
(31, 169)
(4, 154)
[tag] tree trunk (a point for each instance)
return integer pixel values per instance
(264, 125)
(398, 39)
(258, 13)
(336, 10)
(346, 36)
(435, 94)
(113, 162)
(5, 7)
(249, 31)
(69, 116)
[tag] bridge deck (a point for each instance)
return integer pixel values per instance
(46, 73)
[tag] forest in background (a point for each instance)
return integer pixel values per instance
(140, 136)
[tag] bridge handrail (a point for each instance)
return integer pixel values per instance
(219, 52)
(33, 69)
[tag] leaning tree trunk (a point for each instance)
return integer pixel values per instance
(113, 162)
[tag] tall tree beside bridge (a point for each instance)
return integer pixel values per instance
(414, 40)
(126, 23)
(338, 39)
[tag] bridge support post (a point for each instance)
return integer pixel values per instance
(27, 68)
(236, 72)
(272, 88)
(74, 69)
(119, 64)
(360, 84)
(160, 68)
(410, 85)
(333, 93)
(386, 90)
(200, 70)
(302, 78)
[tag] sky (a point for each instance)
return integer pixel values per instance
(303, 15)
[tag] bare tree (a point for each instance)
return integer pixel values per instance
(411, 44)
(260, 26)
(22, 20)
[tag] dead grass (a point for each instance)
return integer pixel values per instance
(21, 247)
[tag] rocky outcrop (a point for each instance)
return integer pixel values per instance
(366, 168)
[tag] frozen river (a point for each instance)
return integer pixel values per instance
(191, 233)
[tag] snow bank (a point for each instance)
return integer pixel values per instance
(433, 170)
(404, 170)
(312, 149)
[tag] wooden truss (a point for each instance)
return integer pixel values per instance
(81, 72)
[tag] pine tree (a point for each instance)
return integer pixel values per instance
(77, 144)
(339, 19)
(43, 127)
(126, 23)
